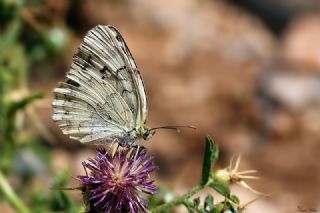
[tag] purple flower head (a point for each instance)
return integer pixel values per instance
(117, 183)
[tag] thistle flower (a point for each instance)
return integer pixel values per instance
(117, 183)
(231, 174)
(239, 176)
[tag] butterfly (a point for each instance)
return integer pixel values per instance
(104, 99)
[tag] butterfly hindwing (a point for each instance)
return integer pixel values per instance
(104, 96)
(84, 114)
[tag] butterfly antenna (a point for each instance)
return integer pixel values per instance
(173, 127)
(66, 188)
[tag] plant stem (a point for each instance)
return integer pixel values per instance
(11, 196)
(165, 207)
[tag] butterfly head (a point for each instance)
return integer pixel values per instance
(148, 133)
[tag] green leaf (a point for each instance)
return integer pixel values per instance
(222, 189)
(196, 202)
(208, 203)
(211, 154)
(15, 106)
(14, 69)
(9, 37)
(189, 206)
(218, 208)
(59, 200)
(61, 179)
(11, 196)
(193, 206)
(234, 199)
(3, 111)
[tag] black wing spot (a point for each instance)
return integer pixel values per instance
(85, 66)
(104, 69)
(73, 83)
(120, 69)
(126, 91)
(118, 37)
(89, 59)
(117, 73)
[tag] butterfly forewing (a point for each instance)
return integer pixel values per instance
(135, 74)
(104, 96)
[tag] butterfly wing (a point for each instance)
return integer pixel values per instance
(101, 98)
(137, 99)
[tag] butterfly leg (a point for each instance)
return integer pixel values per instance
(137, 151)
(116, 149)
(114, 141)
(111, 145)
(139, 148)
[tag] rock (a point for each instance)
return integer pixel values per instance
(208, 26)
(59, 159)
(185, 27)
(293, 91)
(301, 44)
(28, 164)
(277, 14)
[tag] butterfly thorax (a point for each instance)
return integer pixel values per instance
(131, 137)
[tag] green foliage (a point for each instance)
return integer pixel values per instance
(9, 9)
(15, 106)
(211, 155)
(221, 188)
(57, 200)
(15, 63)
(208, 203)
(193, 205)
(56, 40)
(8, 129)
(164, 195)
(9, 38)
(192, 202)
(11, 196)
(234, 199)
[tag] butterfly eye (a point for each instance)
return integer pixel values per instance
(148, 134)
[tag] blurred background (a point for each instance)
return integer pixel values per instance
(244, 71)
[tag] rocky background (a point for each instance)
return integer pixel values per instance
(246, 72)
